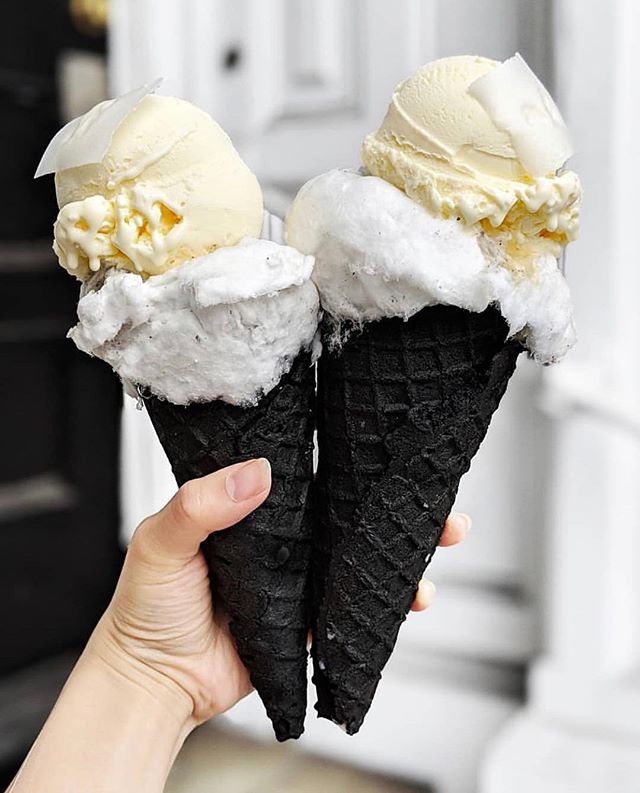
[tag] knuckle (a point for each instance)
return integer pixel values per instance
(188, 502)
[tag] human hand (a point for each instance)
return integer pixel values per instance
(160, 627)
(455, 530)
(160, 660)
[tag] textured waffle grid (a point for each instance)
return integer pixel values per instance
(259, 568)
(403, 407)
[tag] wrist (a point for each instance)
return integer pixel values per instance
(129, 673)
(139, 725)
(111, 730)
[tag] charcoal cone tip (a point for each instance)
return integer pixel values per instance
(331, 712)
(286, 730)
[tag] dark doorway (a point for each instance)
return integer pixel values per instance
(59, 410)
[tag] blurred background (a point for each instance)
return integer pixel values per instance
(525, 673)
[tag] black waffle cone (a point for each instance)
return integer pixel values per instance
(402, 409)
(259, 569)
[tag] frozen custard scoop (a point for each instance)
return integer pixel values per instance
(471, 138)
(170, 187)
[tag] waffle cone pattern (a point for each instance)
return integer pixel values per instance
(259, 569)
(402, 409)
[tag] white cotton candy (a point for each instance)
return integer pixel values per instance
(223, 326)
(380, 254)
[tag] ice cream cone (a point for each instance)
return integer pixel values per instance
(159, 219)
(438, 263)
(403, 408)
(259, 568)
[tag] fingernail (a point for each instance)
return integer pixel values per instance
(248, 480)
(461, 521)
(429, 591)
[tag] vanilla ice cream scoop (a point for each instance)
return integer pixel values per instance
(170, 187)
(482, 142)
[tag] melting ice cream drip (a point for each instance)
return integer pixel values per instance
(135, 224)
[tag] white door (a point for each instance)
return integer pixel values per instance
(297, 84)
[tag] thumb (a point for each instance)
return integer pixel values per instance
(202, 506)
